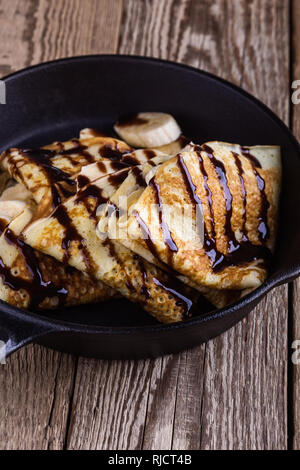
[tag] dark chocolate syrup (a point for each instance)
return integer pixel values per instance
(209, 242)
(221, 173)
(246, 152)
(119, 165)
(182, 301)
(101, 166)
(163, 225)
(243, 189)
(144, 289)
(146, 235)
(149, 154)
(82, 181)
(263, 228)
(131, 119)
(238, 252)
(117, 178)
(82, 151)
(42, 158)
(112, 252)
(3, 224)
(79, 149)
(138, 174)
(94, 192)
(70, 234)
(37, 288)
(130, 160)
(112, 153)
(97, 133)
(86, 192)
(114, 209)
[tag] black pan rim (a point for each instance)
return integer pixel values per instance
(275, 280)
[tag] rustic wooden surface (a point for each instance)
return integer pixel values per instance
(234, 392)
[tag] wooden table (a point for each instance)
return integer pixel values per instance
(239, 391)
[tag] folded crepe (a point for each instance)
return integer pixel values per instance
(69, 235)
(51, 170)
(170, 149)
(32, 279)
(113, 219)
(105, 166)
(210, 213)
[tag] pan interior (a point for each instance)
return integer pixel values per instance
(56, 100)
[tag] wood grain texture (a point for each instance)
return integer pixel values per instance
(295, 395)
(36, 387)
(230, 393)
(110, 403)
(34, 31)
(37, 384)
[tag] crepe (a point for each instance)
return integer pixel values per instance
(113, 220)
(170, 149)
(32, 279)
(104, 167)
(226, 236)
(69, 235)
(50, 171)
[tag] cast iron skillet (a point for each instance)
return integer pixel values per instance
(52, 101)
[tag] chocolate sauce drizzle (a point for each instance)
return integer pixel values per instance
(130, 160)
(246, 152)
(238, 252)
(70, 234)
(42, 158)
(182, 301)
(112, 252)
(87, 191)
(117, 178)
(37, 288)
(60, 181)
(263, 228)
(144, 289)
(79, 149)
(147, 235)
(163, 225)
(82, 181)
(131, 119)
(243, 188)
(138, 174)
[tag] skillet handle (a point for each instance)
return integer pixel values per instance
(18, 328)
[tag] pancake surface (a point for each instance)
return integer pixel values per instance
(69, 235)
(51, 170)
(227, 233)
(92, 218)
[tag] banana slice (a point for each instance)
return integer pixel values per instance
(148, 130)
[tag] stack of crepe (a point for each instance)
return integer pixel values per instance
(93, 218)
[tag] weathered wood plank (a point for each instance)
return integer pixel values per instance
(37, 384)
(110, 403)
(295, 407)
(36, 387)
